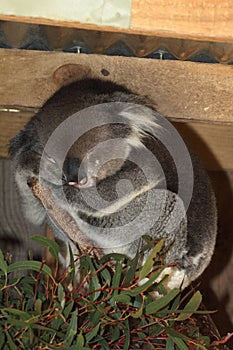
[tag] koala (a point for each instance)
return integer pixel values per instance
(121, 171)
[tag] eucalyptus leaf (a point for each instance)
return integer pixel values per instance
(95, 317)
(3, 264)
(131, 272)
(122, 298)
(160, 303)
(104, 345)
(115, 333)
(113, 257)
(127, 335)
(174, 334)
(170, 344)
(191, 307)
(180, 343)
(30, 265)
(10, 341)
(149, 263)
(92, 333)
(68, 309)
(107, 309)
(117, 278)
(72, 265)
(72, 329)
(22, 314)
(80, 341)
(48, 243)
(2, 338)
(38, 306)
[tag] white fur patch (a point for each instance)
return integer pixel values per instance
(196, 259)
(177, 279)
(123, 201)
(143, 121)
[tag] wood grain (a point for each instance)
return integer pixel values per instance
(196, 19)
(213, 143)
(181, 90)
(10, 124)
(198, 96)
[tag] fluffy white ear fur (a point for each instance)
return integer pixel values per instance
(142, 120)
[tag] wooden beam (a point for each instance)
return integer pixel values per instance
(180, 90)
(10, 124)
(210, 20)
(197, 97)
(204, 138)
(213, 143)
(194, 19)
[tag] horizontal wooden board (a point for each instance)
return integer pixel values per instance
(203, 138)
(10, 124)
(197, 96)
(213, 143)
(180, 90)
(195, 19)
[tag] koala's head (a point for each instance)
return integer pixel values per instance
(102, 151)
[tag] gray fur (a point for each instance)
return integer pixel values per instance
(190, 238)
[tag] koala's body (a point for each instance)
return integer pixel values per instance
(126, 213)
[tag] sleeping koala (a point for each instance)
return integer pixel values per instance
(121, 171)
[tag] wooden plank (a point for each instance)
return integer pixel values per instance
(10, 123)
(200, 94)
(213, 143)
(195, 19)
(180, 90)
(204, 138)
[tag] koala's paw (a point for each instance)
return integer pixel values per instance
(176, 278)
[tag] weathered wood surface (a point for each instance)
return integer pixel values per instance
(198, 96)
(195, 19)
(213, 143)
(181, 90)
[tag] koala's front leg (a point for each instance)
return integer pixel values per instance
(27, 169)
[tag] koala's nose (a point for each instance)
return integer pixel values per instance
(80, 183)
(71, 169)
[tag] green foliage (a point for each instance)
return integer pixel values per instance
(106, 310)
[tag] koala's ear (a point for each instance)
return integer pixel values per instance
(51, 170)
